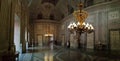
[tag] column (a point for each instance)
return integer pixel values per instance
(22, 29)
(7, 28)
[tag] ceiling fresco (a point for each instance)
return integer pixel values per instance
(55, 9)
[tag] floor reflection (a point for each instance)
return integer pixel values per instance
(48, 57)
(63, 54)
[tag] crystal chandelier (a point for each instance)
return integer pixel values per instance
(80, 27)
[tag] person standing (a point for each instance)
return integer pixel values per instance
(68, 44)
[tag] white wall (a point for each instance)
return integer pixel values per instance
(17, 33)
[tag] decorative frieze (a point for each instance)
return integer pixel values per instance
(113, 15)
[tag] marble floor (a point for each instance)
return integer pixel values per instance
(64, 54)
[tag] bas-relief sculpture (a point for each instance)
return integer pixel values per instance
(113, 15)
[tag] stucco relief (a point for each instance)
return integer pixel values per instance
(46, 9)
(113, 15)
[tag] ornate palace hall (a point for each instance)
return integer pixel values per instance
(59, 30)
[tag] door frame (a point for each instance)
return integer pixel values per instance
(37, 38)
(93, 39)
(109, 42)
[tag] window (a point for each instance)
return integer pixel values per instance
(39, 16)
(52, 17)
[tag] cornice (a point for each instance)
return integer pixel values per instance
(45, 20)
(90, 7)
(101, 4)
(66, 18)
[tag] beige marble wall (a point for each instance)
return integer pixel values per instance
(42, 27)
(64, 30)
(103, 17)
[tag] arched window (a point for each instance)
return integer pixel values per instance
(52, 16)
(70, 9)
(62, 16)
(39, 16)
(88, 3)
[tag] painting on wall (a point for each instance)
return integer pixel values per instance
(115, 39)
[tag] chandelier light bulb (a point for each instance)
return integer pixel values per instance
(92, 28)
(90, 25)
(87, 25)
(83, 23)
(69, 26)
(74, 25)
(78, 23)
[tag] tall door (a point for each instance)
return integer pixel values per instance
(40, 40)
(90, 40)
(63, 40)
(115, 39)
(48, 40)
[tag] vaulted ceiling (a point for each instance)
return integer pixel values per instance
(50, 9)
(50, 1)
